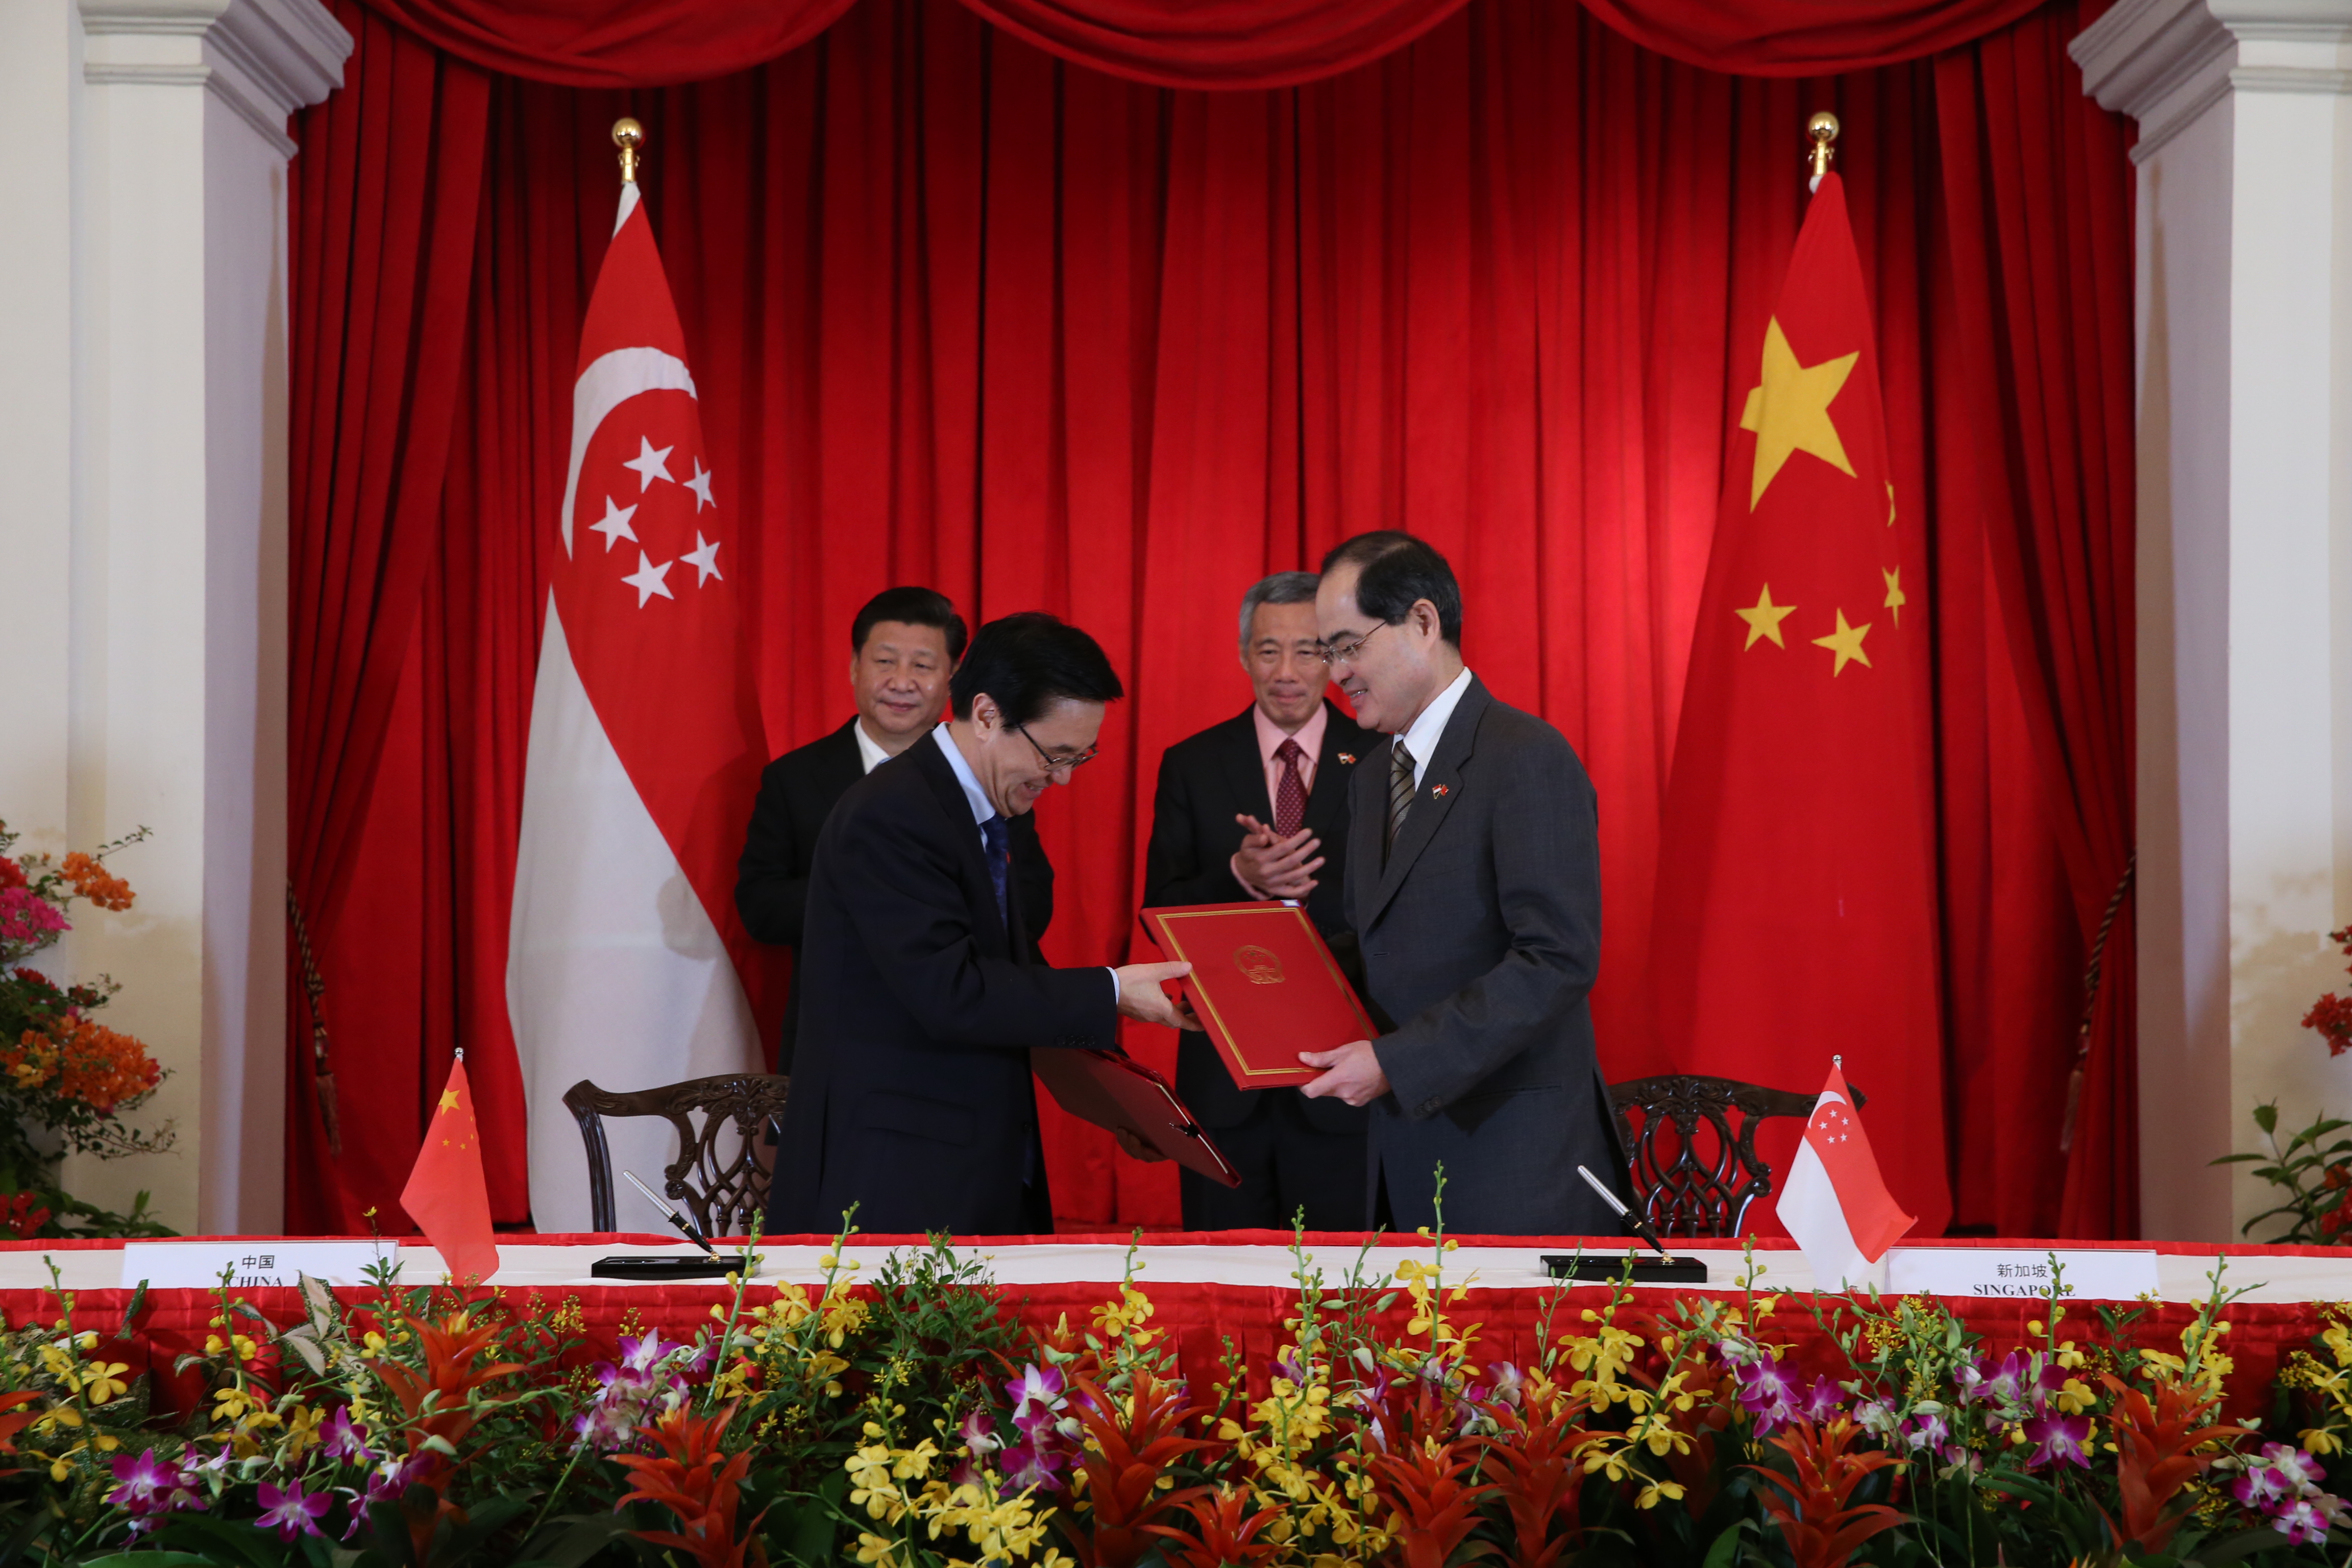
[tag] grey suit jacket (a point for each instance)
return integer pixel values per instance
(1481, 936)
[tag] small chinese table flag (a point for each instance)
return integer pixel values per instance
(446, 1196)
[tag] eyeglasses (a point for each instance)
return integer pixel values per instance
(1054, 764)
(1345, 652)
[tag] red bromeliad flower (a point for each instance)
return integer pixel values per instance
(1541, 1476)
(1129, 1443)
(689, 1479)
(1220, 1537)
(1432, 1510)
(1820, 1530)
(2156, 1457)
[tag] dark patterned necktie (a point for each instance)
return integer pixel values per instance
(999, 865)
(1290, 794)
(1400, 786)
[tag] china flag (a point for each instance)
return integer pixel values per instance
(625, 955)
(447, 1194)
(1796, 914)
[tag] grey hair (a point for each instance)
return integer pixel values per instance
(1282, 588)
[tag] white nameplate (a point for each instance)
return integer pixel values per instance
(197, 1265)
(2090, 1276)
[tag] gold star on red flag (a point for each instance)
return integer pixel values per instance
(1764, 618)
(1846, 643)
(1790, 411)
(1895, 598)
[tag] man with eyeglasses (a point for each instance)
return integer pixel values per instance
(912, 1089)
(1473, 887)
(1257, 808)
(904, 644)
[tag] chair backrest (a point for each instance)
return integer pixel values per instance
(1699, 1180)
(721, 1183)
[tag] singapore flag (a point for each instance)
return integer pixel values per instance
(1834, 1201)
(622, 959)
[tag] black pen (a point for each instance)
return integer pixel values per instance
(693, 1232)
(1641, 1226)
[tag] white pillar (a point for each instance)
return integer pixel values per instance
(142, 426)
(2245, 312)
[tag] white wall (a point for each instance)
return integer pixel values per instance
(143, 423)
(2244, 581)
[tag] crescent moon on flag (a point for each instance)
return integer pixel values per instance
(1829, 1097)
(610, 381)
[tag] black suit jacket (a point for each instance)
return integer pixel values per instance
(911, 1093)
(1203, 782)
(797, 793)
(1481, 933)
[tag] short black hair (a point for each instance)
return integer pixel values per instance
(1394, 572)
(911, 607)
(1029, 661)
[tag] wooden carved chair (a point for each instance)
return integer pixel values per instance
(721, 1183)
(1694, 1166)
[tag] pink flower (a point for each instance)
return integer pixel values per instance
(2057, 1440)
(26, 921)
(291, 1513)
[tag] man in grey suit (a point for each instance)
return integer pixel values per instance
(1474, 887)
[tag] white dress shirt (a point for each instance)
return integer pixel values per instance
(872, 755)
(1421, 736)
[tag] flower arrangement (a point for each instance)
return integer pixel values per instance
(66, 1082)
(914, 1422)
(2313, 1170)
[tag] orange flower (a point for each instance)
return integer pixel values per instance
(94, 882)
(31, 1062)
(100, 1067)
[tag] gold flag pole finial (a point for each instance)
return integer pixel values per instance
(629, 136)
(1823, 128)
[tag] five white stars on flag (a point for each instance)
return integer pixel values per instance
(651, 579)
(1832, 1123)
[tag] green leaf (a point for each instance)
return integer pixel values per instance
(569, 1540)
(1725, 1550)
(2266, 1116)
(151, 1559)
(2235, 1159)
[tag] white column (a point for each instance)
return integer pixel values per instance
(145, 425)
(2244, 308)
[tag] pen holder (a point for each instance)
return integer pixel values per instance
(1600, 1267)
(662, 1268)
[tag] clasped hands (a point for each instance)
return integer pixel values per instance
(1279, 867)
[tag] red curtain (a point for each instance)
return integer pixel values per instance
(964, 313)
(382, 206)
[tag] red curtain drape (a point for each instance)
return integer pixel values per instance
(964, 313)
(382, 206)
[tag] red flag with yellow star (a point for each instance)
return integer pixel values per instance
(445, 1194)
(1796, 914)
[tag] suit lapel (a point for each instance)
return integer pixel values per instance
(1441, 786)
(979, 889)
(1244, 769)
(1334, 770)
(845, 764)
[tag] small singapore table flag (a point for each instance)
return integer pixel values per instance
(446, 1193)
(1834, 1201)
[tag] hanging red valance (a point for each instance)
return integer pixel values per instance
(1228, 43)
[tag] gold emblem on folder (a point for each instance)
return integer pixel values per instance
(1259, 964)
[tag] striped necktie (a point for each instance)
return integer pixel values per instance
(1401, 788)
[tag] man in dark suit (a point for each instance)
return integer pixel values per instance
(911, 1093)
(1257, 808)
(1473, 886)
(904, 644)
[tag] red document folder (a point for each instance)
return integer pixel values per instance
(1112, 1089)
(1264, 985)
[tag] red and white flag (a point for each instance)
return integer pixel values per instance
(625, 955)
(1834, 1201)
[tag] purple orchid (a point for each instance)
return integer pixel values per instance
(2057, 1440)
(292, 1512)
(339, 1438)
(1768, 1393)
(1510, 1384)
(1033, 1464)
(1927, 1429)
(1822, 1402)
(390, 1479)
(2260, 1488)
(1037, 1385)
(2304, 1519)
(147, 1489)
(975, 1434)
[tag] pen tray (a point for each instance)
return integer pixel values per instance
(1600, 1267)
(660, 1269)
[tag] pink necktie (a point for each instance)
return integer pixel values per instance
(1290, 792)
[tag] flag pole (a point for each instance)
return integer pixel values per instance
(629, 136)
(1823, 128)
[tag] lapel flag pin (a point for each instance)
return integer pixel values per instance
(1349, 758)
(1438, 790)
